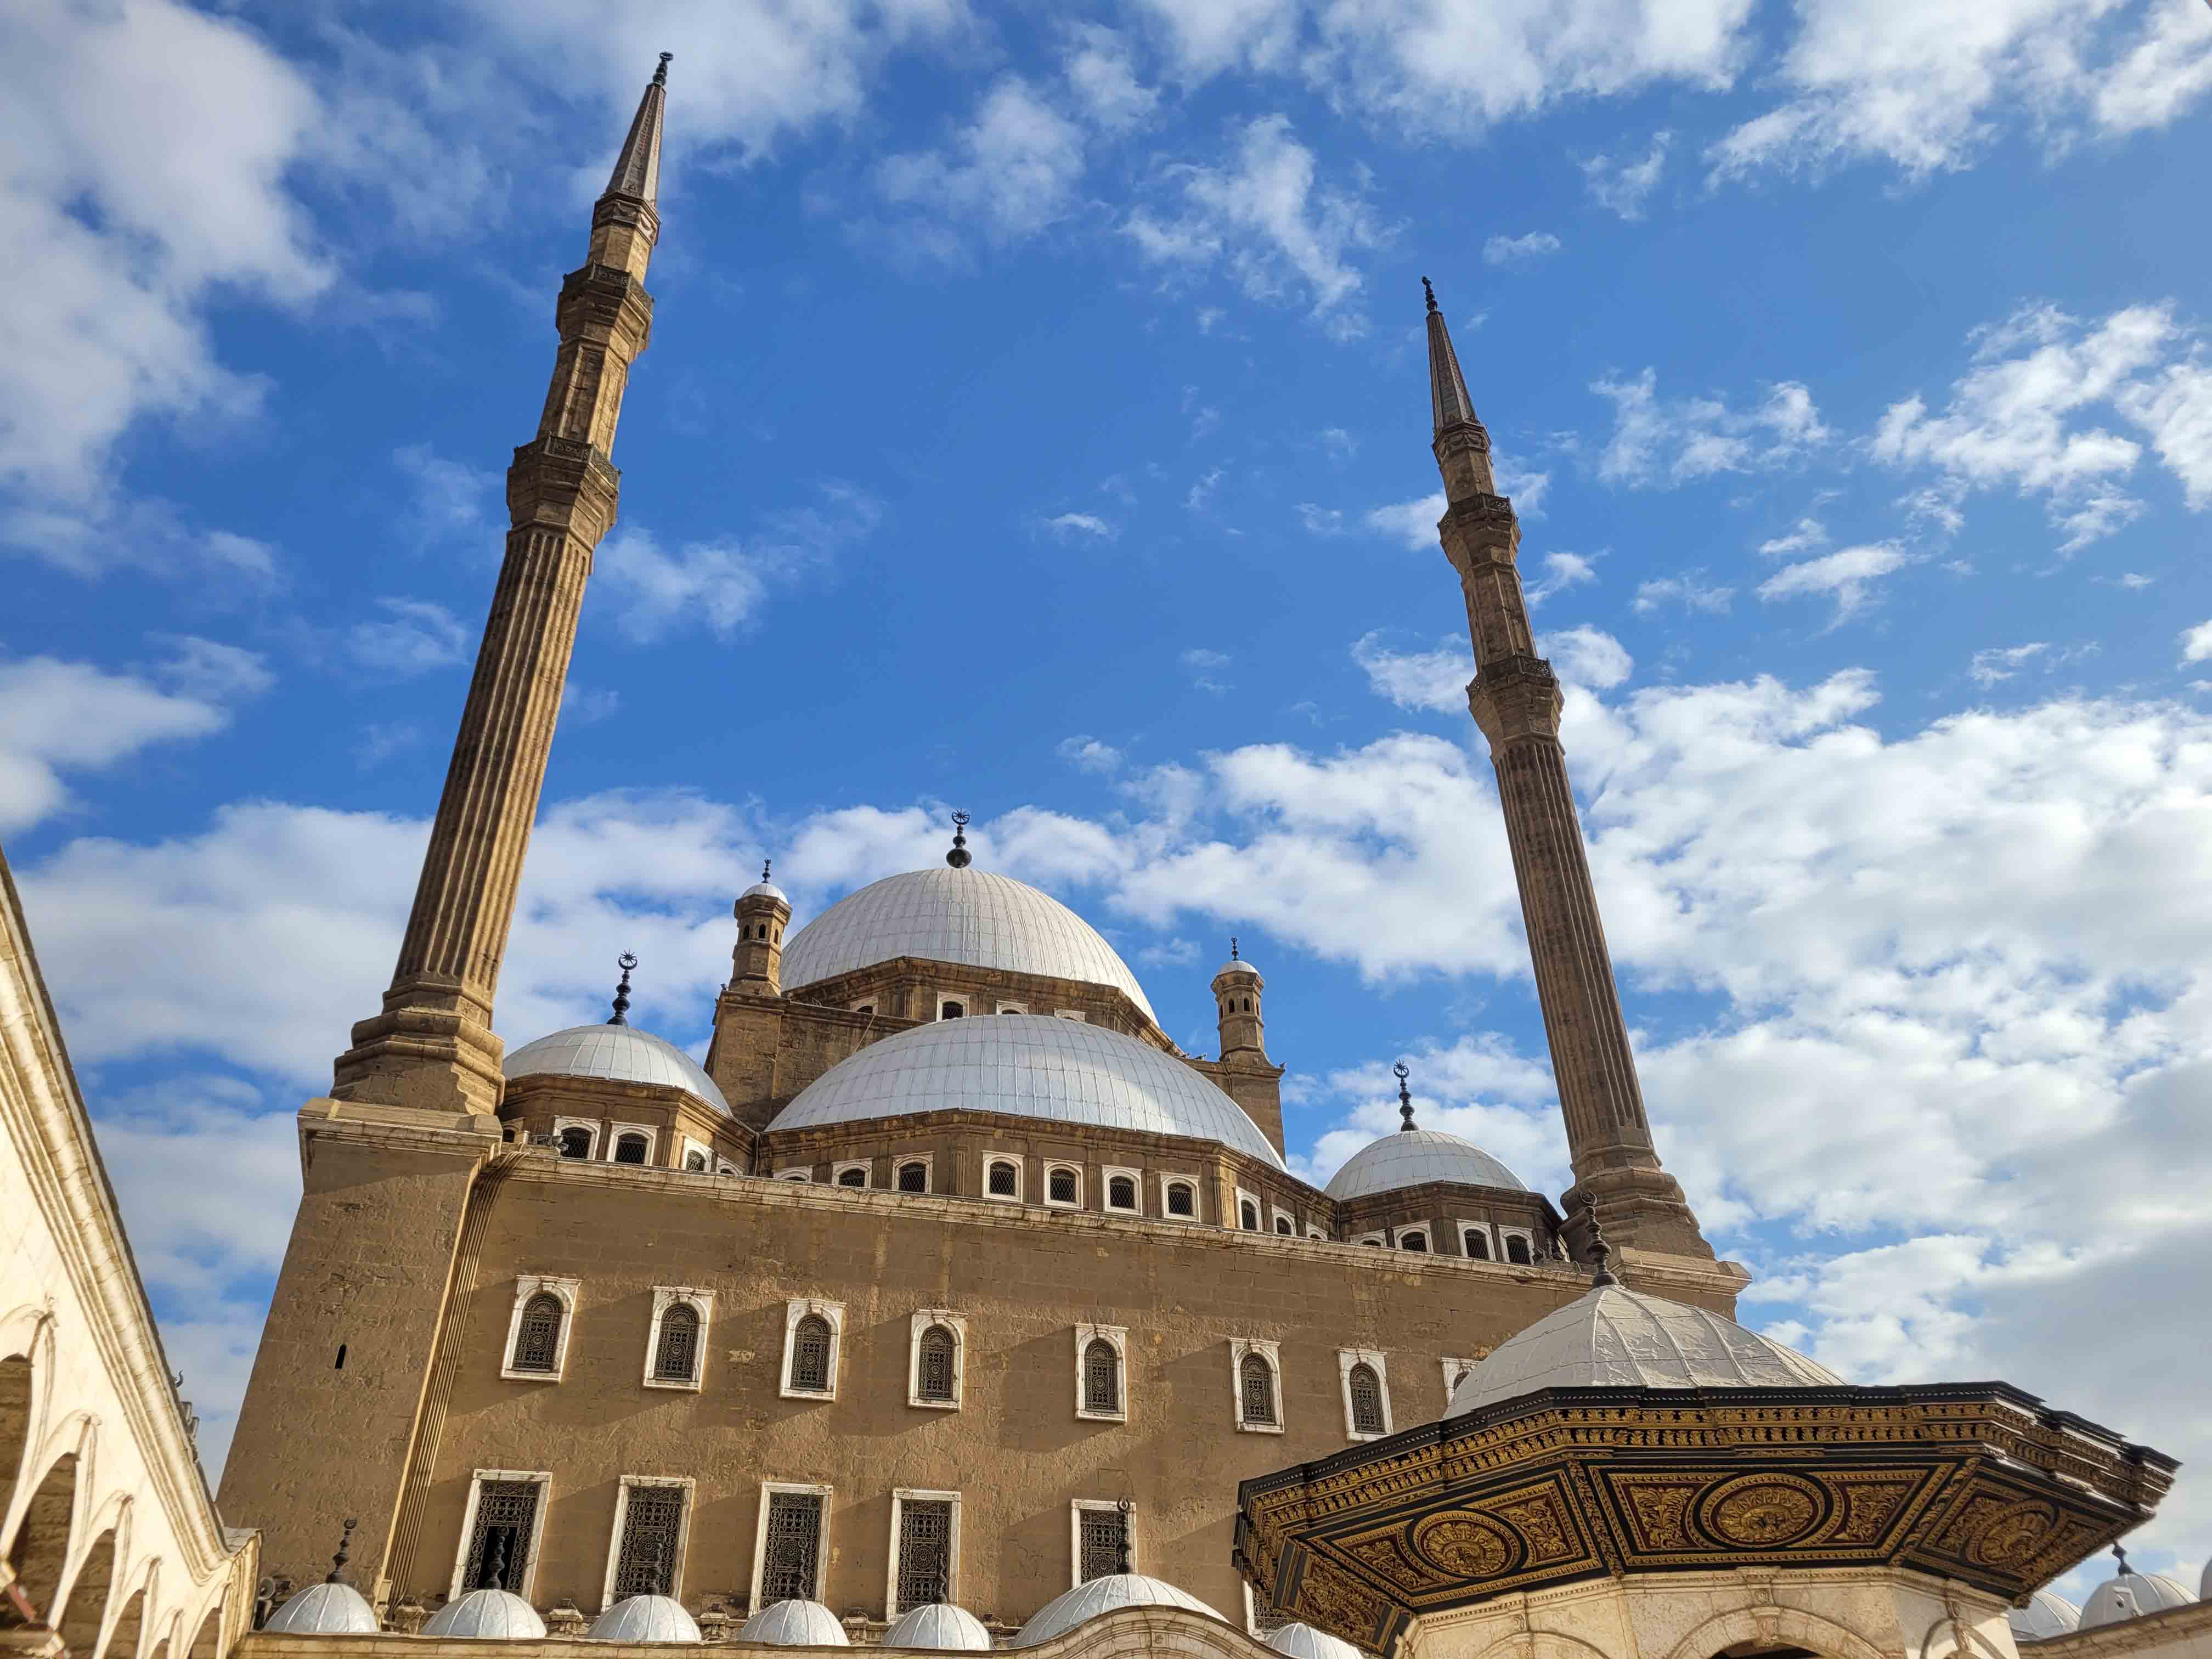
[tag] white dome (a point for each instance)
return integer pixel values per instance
(794, 1625)
(1407, 1158)
(2046, 1614)
(2204, 1585)
(645, 1618)
(2130, 1594)
(1088, 1599)
(325, 1609)
(495, 1615)
(939, 1624)
(1617, 1339)
(621, 1053)
(1239, 967)
(968, 916)
(1304, 1641)
(1027, 1066)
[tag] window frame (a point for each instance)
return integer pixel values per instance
(543, 1479)
(919, 1327)
(1505, 1236)
(795, 1172)
(1241, 1348)
(690, 1489)
(701, 1302)
(1454, 1369)
(1011, 1008)
(1169, 1178)
(1376, 1361)
(1053, 1165)
(951, 999)
(928, 1162)
(1488, 1233)
(1107, 1177)
(768, 1489)
(1419, 1229)
(689, 1144)
(1116, 1337)
(1076, 1506)
(595, 1128)
(1315, 1235)
(1021, 1177)
(650, 1131)
(866, 1166)
(1277, 1215)
(900, 1495)
(527, 1286)
(1244, 1196)
(1382, 1239)
(794, 1310)
(1075, 1014)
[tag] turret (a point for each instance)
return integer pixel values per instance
(1237, 991)
(763, 913)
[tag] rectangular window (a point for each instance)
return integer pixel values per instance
(791, 1559)
(499, 1541)
(1102, 1534)
(925, 1547)
(652, 1528)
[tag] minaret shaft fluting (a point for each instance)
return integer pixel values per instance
(433, 1045)
(1515, 698)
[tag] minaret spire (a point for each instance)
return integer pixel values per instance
(433, 1046)
(1515, 699)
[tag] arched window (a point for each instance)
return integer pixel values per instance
(1102, 1376)
(538, 1338)
(938, 1352)
(1247, 1005)
(1248, 1214)
(1182, 1198)
(952, 1010)
(1005, 1180)
(914, 1177)
(1282, 1225)
(1417, 1243)
(1255, 1388)
(575, 1142)
(1366, 1390)
(1060, 1185)
(1477, 1243)
(855, 1177)
(810, 1355)
(696, 1161)
(677, 1358)
(1121, 1194)
(630, 1149)
(1516, 1249)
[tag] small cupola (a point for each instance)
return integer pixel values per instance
(763, 913)
(1237, 991)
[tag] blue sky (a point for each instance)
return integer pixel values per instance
(1035, 424)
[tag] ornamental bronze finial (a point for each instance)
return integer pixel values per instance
(1405, 1097)
(337, 1574)
(959, 858)
(626, 961)
(1429, 292)
(661, 75)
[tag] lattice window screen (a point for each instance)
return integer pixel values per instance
(1101, 1533)
(1258, 1389)
(789, 1566)
(810, 1355)
(677, 1357)
(507, 1519)
(537, 1341)
(1366, 1400)
(651, 1526)
(937, 1356)
(1102, 1377)
(924, 1551)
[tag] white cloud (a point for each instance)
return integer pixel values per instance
(1998, 662)
(1505, 250)
(1087, 754)
(2197, 643)
(98, 537)
(1802, 537)
(1321, 520)
(1102, 74)
(1661, 442)
(1169, 953)
(450, 499)
(1588, 656)
(1432, 680)
(1847, 576)
(1205, 667)
(1624, 186)
(722, 583)
(417, 636)
(1414, 522)
(1561, 572)
(1690, 590)
(1013, 169)
(2169, 68)
(1067, 525)
(1199, 497)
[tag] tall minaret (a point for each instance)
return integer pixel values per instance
(1515, 699)
(433, 1046)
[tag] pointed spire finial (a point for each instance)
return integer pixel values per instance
(1429, 293)
(337, 1574)
(1600, 1253)
(661, 75)
(1447, 398)
(626, 961)
(637, 169)
(1405, 1097)
(959, 858)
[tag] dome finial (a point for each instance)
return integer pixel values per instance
(959, 858)
(626, 961)
(661, 75)
(1600, 1253)
(764, 869)
(1429, 292)
(2121, 1556)
(496, 1577)
(1405, 1099)
(1233, 947)
(337, 1574)
(1122, 1564)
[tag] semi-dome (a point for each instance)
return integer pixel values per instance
(1408, 1158)
(490, 1615)
(621, 1053)
(1095, 1596)
(2046, 1614)
(1298, 1641)
(327, 1609)
(966, 915)
(794, 1625)
(1027, 1066)
(2130, 1594)
(1614, 1338)
(939, 1625)
(645, 1618)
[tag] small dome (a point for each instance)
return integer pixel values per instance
(494, 1615)
(1237, 968)
(1109, 1593)
(1304, 1641)
(939, 1624)
(767, 890)
(968, 916)
(1027, 1066)
(794, 1625)
(2130, 1594)
(2204, 1585)
(621, 1053)
(325, 1609)
(2046, 1614)
(1407, 1158)
(645, 1618)
(1619, 1338)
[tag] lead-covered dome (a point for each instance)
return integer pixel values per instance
(939, 1627)
(968, 916)
(1097, 1596)
(1061, 1071)
(2046, 1614)
(1619, 1338)
(1297, 1641)
(621, 1053)
(330, 1608)
(487, 1615)
(2130, 1594)
(1408, 1158)
(645, 1618)
(795, 1624)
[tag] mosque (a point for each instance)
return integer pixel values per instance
(950, 1304)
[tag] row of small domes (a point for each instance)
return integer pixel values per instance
(2126, 1595)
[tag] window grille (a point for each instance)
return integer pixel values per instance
(1179, 1199)
(1102, 1532)
(950, 1011)
(1257, 1382)
(1063, 1186)
(1366, 1390)
(1005, 1181)
(1102, 1377)
(924, 1573)
(1250, 1214)
(937, 1351)
(695, 1162)
(499, 1543)
(537, 1340)
(1517, 1250)
(1417, 1243)
(810, 1355)
(914, 1177)
(1282, 1225)
(854, 1176)
(652, 1522)
(677, 1357)
(575, 1142)
(790, 1565)
(1121, 1194)
(630, 1149)
(1477, 1245)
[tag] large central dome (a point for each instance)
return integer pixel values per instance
(1026, 1065)
(968, 916)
